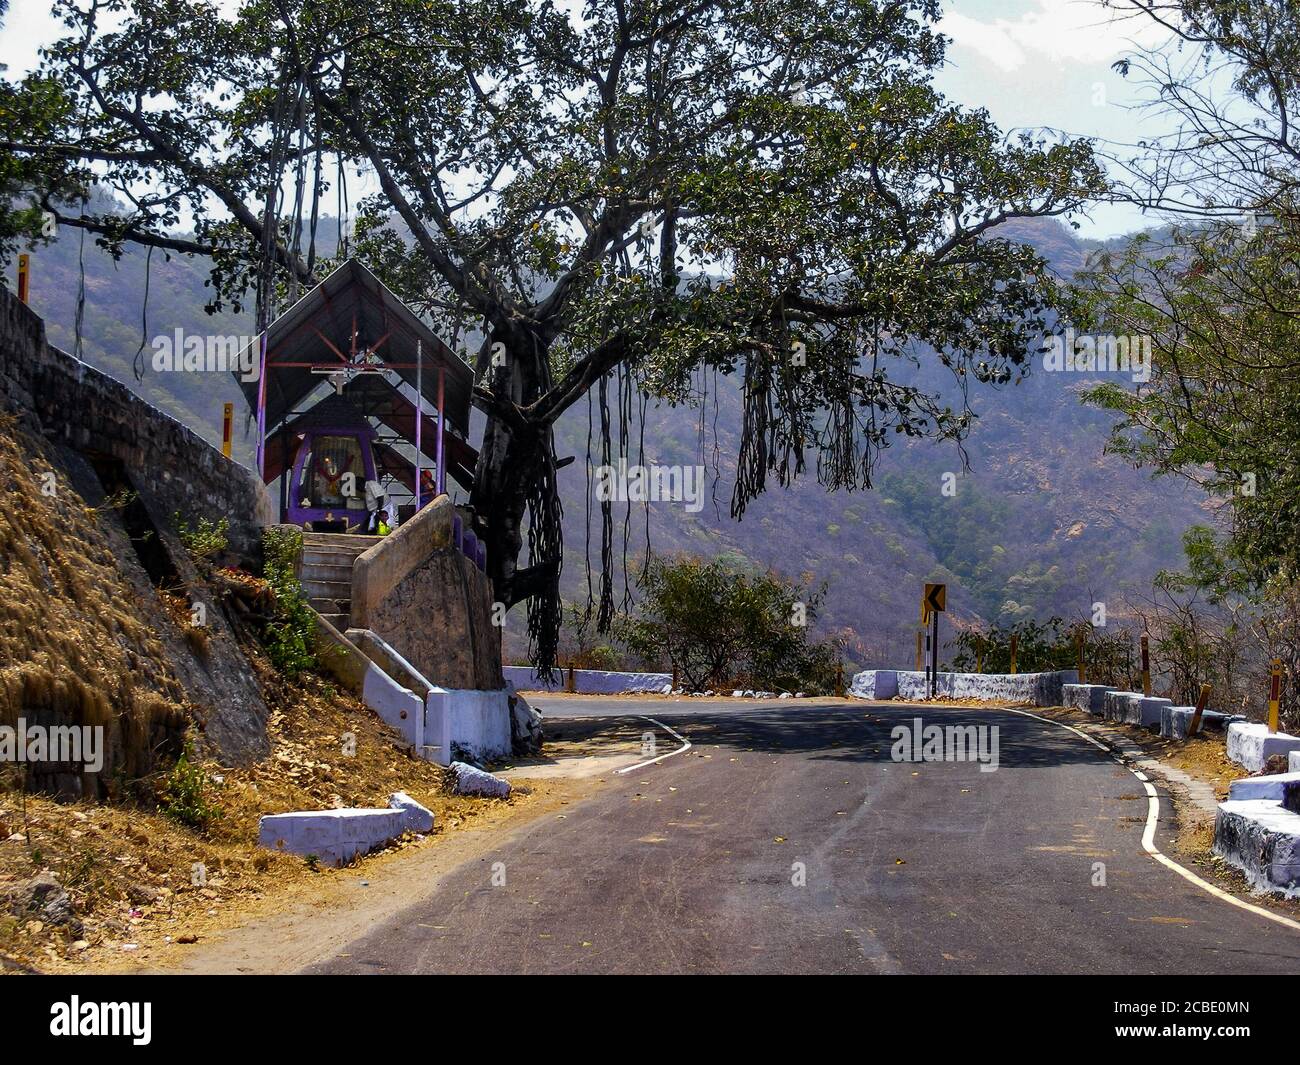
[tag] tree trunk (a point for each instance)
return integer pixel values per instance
(513, 480)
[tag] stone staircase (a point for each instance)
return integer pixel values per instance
(327, 573)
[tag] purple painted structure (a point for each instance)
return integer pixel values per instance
(319, 488)
(468, 544)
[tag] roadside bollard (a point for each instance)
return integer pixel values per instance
(1194, 726)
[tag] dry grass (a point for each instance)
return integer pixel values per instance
(129, 869)
(1204, 757)
(76, 647)
(74, 642)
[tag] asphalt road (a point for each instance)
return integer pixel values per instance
(693, 865)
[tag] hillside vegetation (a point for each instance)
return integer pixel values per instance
(1041, 523)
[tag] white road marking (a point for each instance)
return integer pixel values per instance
(685, 746)
(1149, 832)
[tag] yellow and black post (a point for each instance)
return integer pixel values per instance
(933, 603)
(1146, 666)
(227, 428)
(1274, 694)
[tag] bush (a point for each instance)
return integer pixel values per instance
(204, 541)
(290, 638)
(720, 625)
(1109, 656)
(184, 796)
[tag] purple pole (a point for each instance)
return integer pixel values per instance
(442, 480)
(419, 414)
(261, 415)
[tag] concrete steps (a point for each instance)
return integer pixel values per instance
(341, 541)
(339, 590)
(326, 577)
(337, 568)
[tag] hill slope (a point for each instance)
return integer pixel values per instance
(1041, 523)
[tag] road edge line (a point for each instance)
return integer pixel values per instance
(1149, 831)
(685, 746)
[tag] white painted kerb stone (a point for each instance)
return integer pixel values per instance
(1250, 744)
(1089, 697)
(1174, 721)
(1262, 839)
(590, 681)
(1040, 689)
(338, 836)
(1115, 704)
(1271, 787)
(1145, 711)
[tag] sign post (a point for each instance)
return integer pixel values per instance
(1274, 694)
(1078, 649)
(24, 275)
(932, 605)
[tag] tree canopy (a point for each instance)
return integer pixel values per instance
(606, 197)
(1216, 290)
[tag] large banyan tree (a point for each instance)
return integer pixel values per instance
(601, 195)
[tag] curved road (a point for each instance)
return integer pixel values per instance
(693, 865)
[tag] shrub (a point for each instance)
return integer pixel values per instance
(719, 624)
(291, 634)
(184, 795)
(204, 541)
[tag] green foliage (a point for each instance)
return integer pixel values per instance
(1223, 405)
(29, 109)
(1050, 645)
(206, 539)
(719, 625)
(291, 636)
(966, 533)
(1040, 647)
(185, 794)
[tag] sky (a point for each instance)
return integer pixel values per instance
(1030, 63)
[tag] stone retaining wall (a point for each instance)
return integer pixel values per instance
(174, 469)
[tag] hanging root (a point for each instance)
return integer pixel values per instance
(545, 550)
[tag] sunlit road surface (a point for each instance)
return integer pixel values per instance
(788, 840)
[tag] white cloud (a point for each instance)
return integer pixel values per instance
(1062, 31)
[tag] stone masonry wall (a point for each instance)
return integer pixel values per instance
(439, 618)
(174, 469)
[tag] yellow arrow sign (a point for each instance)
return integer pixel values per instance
(934, 601)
